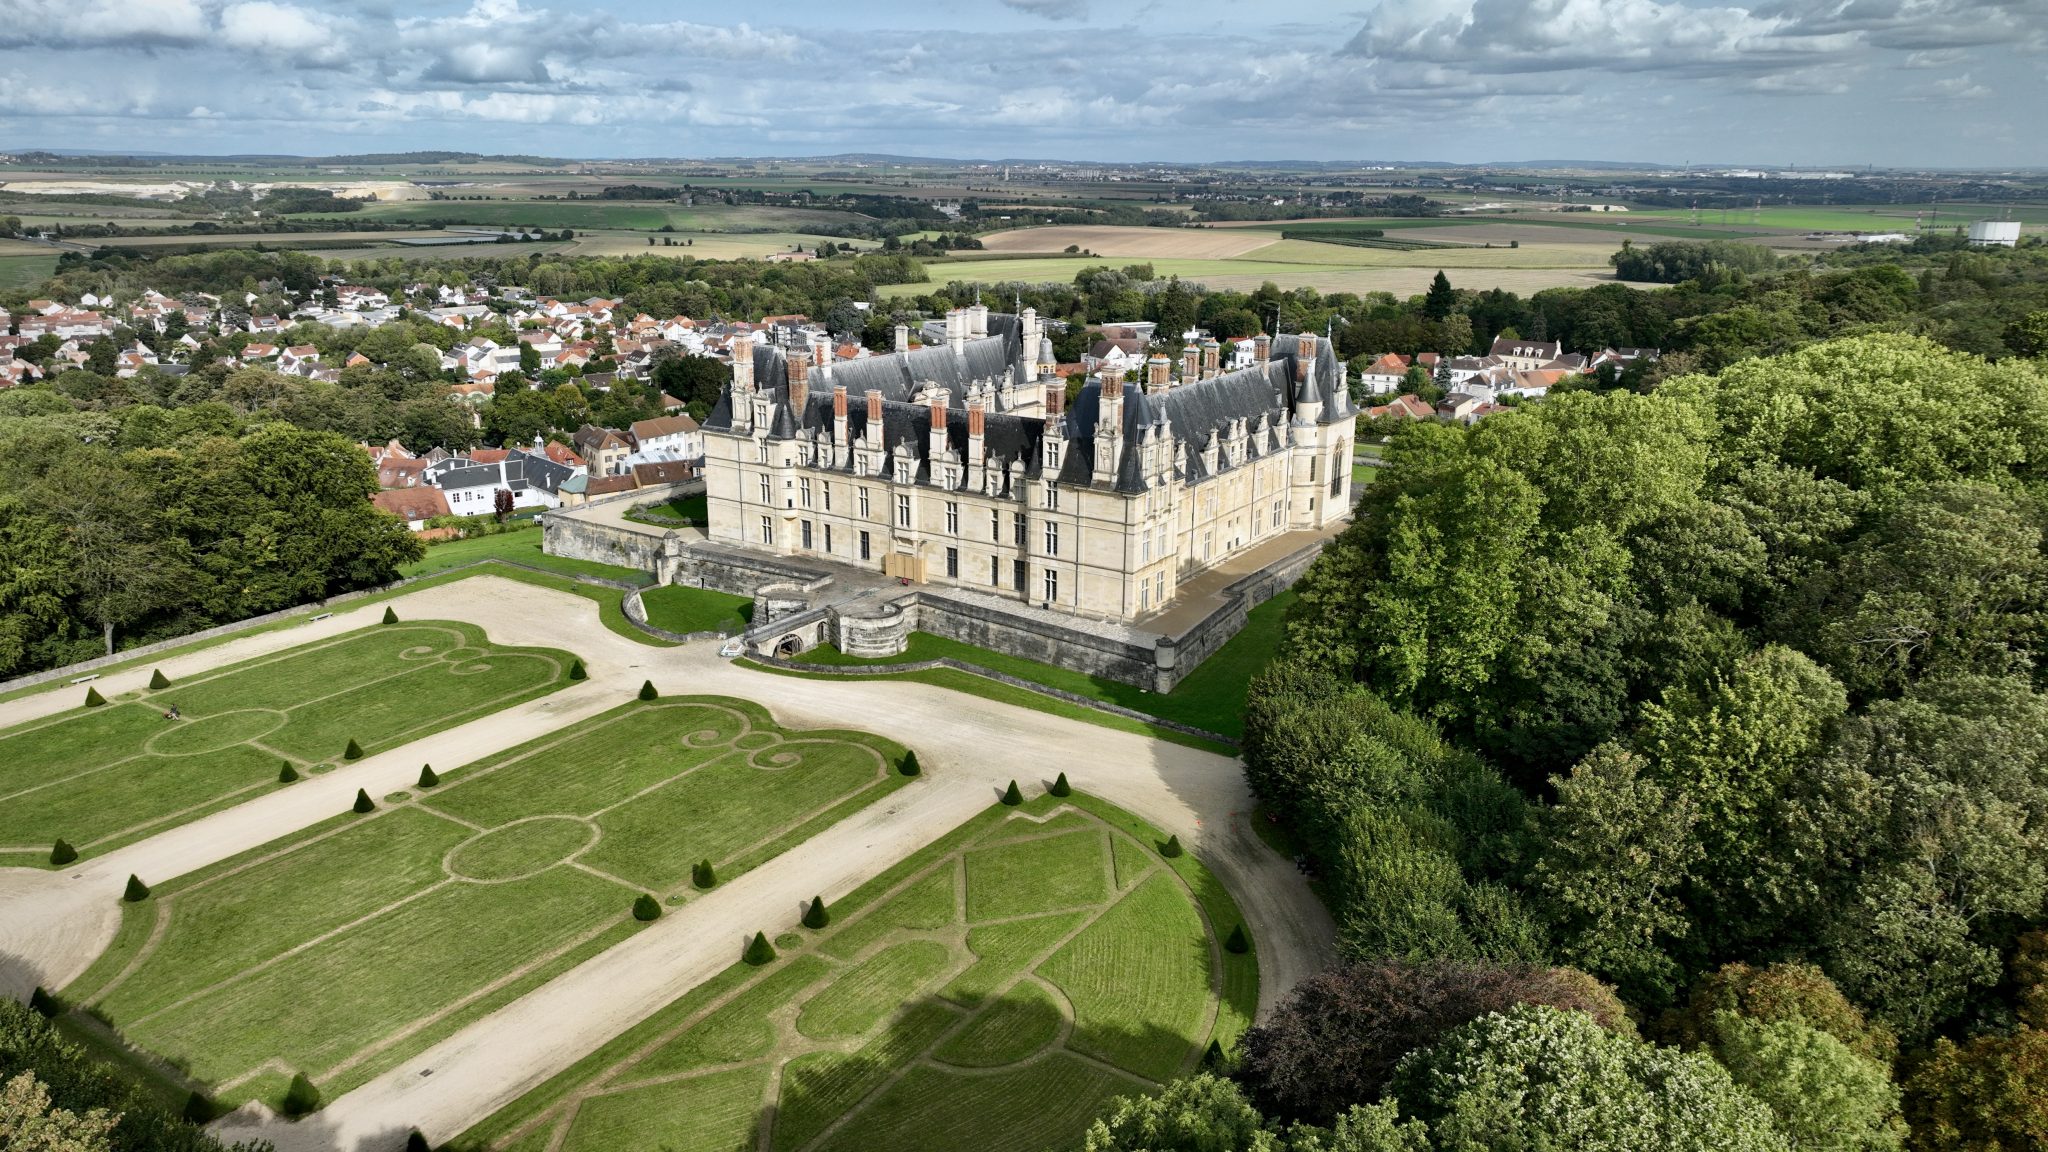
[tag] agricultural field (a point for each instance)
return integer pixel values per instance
(702, 245)
(989, 994)
(1138, 243)
(645, 216)
(339, 951)
(99, 777)
(1856, 218)
(26, 271)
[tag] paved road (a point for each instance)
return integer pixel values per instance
(53, 924)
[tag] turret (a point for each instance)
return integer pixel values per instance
(1027, 322)
(743, 385)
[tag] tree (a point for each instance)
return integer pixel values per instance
(1538, 1077)
(646, 908)
(703, 875)
(759, 951)
(121, 571)
(1169, 850)
(1012, 796)
(1780, 992)
(909, 765)
(157, 680)
(1990, 1092)
(576, 671)
(300, 1097)
(1204, 1113)
(817, 916)
(287, 773)
(390, 616)
(62, 853)
(1335, 1040)
(428, 777)
(354, 751)
(1438, 302)
(93, 699)
(1825, 1097)
(1060, 787)
(137, 891)
(363, 802)
(29, 1121)
(1237, 943)
(647, 691)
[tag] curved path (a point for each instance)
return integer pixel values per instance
(52, 924)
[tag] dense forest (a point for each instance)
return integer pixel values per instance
(1729, 696)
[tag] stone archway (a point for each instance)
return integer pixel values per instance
(789, 645)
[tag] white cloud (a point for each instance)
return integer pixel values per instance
(299, 34)
(1051, 9)
(102, 23)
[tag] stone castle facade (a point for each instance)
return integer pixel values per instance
(963, 463)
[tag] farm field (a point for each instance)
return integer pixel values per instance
(279, 239)
(26, 271)
(99, 777)
(1183, 243)
(702, 246)
(1511, 269)
(1858, 218)
(601, 214)
(989, 994)
(341, 950)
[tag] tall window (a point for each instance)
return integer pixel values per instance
(767, 530)
(1277, 505)
(902, 510)
(953, 517)
(995, 571)
(767, 489)
(1145, 548)
(804, 491)
(1052, 586)
(1052, 538)
(953, 563)
(865, 554)
(1017, 528)
(807, 535)
(1336, 471)
(1018, 573)
(1052, 495)
(995, 526)
(828, 539)
(863, 503)
(827, 488)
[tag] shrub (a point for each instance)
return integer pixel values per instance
(1012, 797)
(137, 891)
(576, 671)
(646, 907)
(1780, 992)
(1213, 1058)
(703, 876)
(286, 774)
(817, 915)
(759, 951)
(647, 691)
(1171, 848)
(157, 679)
(62, 852)
(198, 1109)
(427, 777)
(301, 1097)
(1060, 787)
(354, 751)
(909, 767)
(79, 1083)
(93, 699)
(363, 802)
(390, 617)
(45, 1004)
(415, 1141)
(1237, 942)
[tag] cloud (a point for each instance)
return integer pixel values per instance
(102, 23)
(302, 35)
(1051, 9)
(483, 62)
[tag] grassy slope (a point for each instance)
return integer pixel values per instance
(1211, 697)
(220, 988)
(679, 609)
(1045, 1102)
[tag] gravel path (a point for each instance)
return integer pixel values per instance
(53, 924)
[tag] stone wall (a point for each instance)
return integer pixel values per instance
(1033, 635)
(735, 572)
(578, 539)
(886, 633)
(1176, 656)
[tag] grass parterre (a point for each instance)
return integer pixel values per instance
(102, 777)
(991, 993)
(514, 869)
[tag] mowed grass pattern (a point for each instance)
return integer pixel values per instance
(960, 1001)
(101, 777)
(339, 950)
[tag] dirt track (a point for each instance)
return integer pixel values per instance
(53, 924)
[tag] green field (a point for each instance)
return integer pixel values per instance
(343, 949)
(990, 994)
(520, 546)
(26, 271)
(645, 216)
(1210, 698)
(102, 777)
(1859, 218)
(676, 608)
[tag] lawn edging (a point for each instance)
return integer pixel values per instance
(797, 668)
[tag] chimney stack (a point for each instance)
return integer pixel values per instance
(799, 385)
(874, 428)
(956, 330)
(1109, 427)
(1027, 323)
(903, 337)
(938, 444)
(1157, 375)
(839, 429)
(1305, 358)
(977, 320)
(1055, 398)
(743, 364)
(1212, 358)
(1190, 363)
(1262, 348)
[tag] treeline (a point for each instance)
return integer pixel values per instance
(1741, 677)
(1334, 204)
(1675, 261)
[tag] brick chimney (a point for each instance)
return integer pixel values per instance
(1055, 398)
(1158, 375)
(938, 446)
(839, 429)
(1190, 363)
(977, 428)
(799, 385)
(873, 432)
(1212, 358)
(1262, 348)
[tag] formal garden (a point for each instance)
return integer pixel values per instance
(990, 993)
(114, 770)
(303, 968)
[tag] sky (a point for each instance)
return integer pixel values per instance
(1816, 83)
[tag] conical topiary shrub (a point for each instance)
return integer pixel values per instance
(646, 907)
(354, 751)
(44, 1004)
(157, 679)
(817, 915)
(702, 876)
(62, 852)
(301, 1097)
(647, 691)
(363, 802)
(1237, 942)
(390, 617)
(427, 777)
(909, 767)
(576, 671)
(1060, 787)
(1213, 1058)
(759, 950)
(1172, 847)
(198, 1109)
(1012, 797)
(287, 773)
(137, 891)
(93, 699)
(416, 1142)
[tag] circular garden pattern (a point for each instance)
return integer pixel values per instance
(521, 849)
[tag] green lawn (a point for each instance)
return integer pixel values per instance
(521, 546)
(343, 949)
(929, 1017)
(684, 610)
(681, 510)
(1210, 698)
(26, 271)
(103, 777)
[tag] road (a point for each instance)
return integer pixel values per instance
(53, 924)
